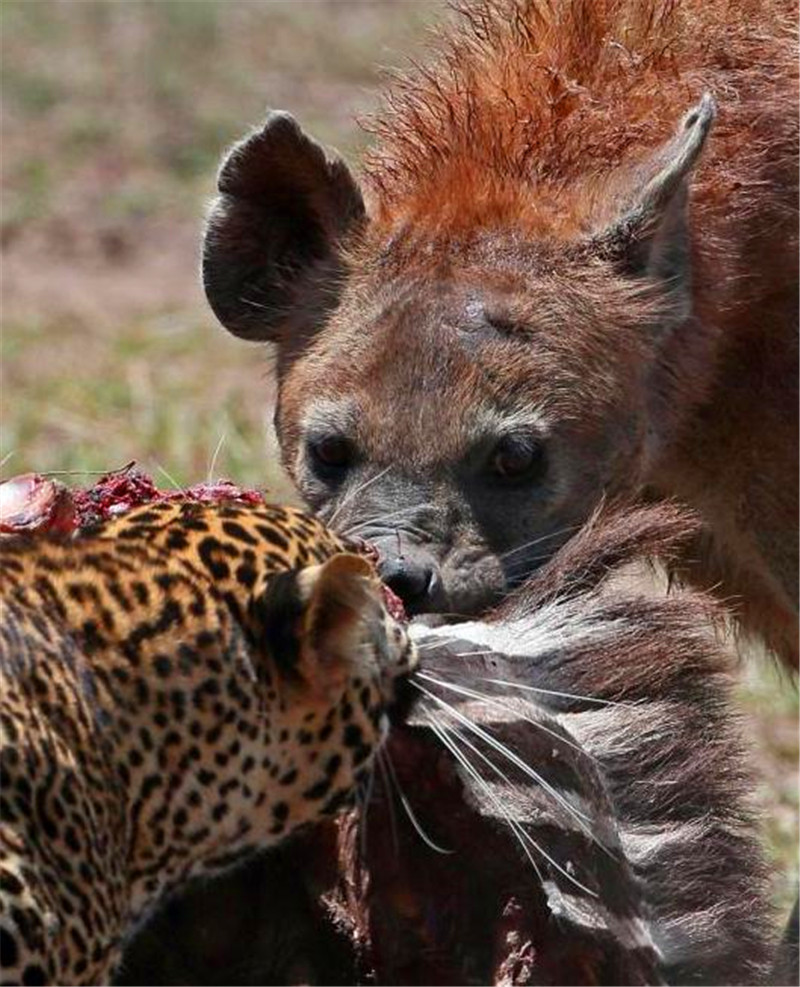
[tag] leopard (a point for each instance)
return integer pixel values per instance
(183, 686)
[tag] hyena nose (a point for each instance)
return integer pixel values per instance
(415, 582)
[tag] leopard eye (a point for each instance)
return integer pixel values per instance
(331, 455)
(518, 458)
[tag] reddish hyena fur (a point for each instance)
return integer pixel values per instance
(574, 278)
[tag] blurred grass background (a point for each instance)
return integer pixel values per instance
(113, 119)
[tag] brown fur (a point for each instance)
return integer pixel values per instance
(673, 764)
(653, 757)
(536, 95)
(517, 125)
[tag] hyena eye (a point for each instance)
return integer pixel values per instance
(518, 458)
(331, 455)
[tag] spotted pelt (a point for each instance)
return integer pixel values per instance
(180, 687)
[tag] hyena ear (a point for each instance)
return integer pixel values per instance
(651, 237)
(270, 258)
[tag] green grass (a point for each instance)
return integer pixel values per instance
(770, 702)
(91, 410)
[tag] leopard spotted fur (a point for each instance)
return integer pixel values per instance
(181, 686)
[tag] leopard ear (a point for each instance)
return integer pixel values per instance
(271, 260)
(650, 236)
(342, 596)
(341, 602)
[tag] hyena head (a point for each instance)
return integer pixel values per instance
(461, 388)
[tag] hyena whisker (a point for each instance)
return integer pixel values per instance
(524, 567)
(383, 517)
(396, 528)
(355, 491)
(382, 523)
(537, 541)
(411, 529)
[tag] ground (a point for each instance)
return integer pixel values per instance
(114, 116)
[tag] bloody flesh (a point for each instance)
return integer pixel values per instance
(34, 503)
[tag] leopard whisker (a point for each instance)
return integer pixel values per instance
(423, 645)
(556, 693)
(168, 476)
(443, 733)
(410, 812)
(389, 792)
(213, 461)
(363, 798)
(580, 818)
(522, 832)
(496, 701)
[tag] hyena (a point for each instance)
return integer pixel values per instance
(569, 275)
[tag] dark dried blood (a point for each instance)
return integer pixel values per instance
(114, 494)
(391, 600)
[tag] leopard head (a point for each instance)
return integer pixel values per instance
(333, 660)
